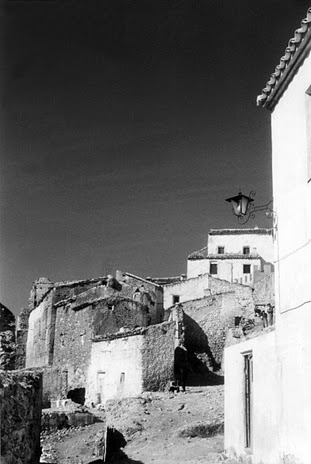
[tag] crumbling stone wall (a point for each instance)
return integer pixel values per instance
(55, 384)
(7, 338)
(65, 317)
(20, 412)
(38, 290)
(72, 344)
(7, 350)
(76, 325)
(131, 282)
(21, 338)
(114, 313)
(264, 292)
(207, 321)
(205, 330)
(158, 356)
(243, 294)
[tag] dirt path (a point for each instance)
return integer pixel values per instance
(160, 428)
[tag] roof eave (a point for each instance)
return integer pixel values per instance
(287, 76)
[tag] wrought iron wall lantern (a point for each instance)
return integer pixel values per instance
(244, 209)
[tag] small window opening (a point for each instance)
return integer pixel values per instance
(213, 269)
(221, 250)
(246, 268)
(122, 377)
(246, 250)
(176, 299)
(237, 320)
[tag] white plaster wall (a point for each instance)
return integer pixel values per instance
(228, 269)
(265, 397)
(196, 267)
(294, 352)
(189, 289)
(292, 192)
(232, 270)
(112, 358)
(292, 196)
(258, 243)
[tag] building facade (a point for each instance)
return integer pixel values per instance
(80, 331)
(233, 254)
(268, 377)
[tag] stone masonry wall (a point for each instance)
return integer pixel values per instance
(21, 338)
(158, 356)
(243, 300)
(20, 412)
(7, 350)
(207, 321)
(72, 346)
(74, 330)
(155, 291)
(7, 338)
(204, 329)
(124, 313)
(264, 292)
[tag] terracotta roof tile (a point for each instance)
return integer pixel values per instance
(300, 41)
(200, 254)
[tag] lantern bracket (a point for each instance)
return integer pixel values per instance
(244, 209)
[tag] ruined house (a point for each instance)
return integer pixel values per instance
(105, 331)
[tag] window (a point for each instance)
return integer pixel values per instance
(221, 250)
(246, 268)
(176, 299)
(308, 132)
(246, 250)
(248, 390)
(122, 377)
(213, 268)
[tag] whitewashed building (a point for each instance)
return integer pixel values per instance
(233, 254)
(268, 378)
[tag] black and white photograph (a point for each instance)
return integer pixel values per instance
(155, 231)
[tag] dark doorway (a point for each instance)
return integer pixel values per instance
(77, 395)
(248, 381)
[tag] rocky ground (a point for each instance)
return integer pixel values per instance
(158, 428)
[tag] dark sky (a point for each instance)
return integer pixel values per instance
(124, 126)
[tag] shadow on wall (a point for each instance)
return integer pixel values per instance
(201, 359)
(200, 375)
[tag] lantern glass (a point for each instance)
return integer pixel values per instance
(240, 204)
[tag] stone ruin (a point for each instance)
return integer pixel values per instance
(20, 412)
